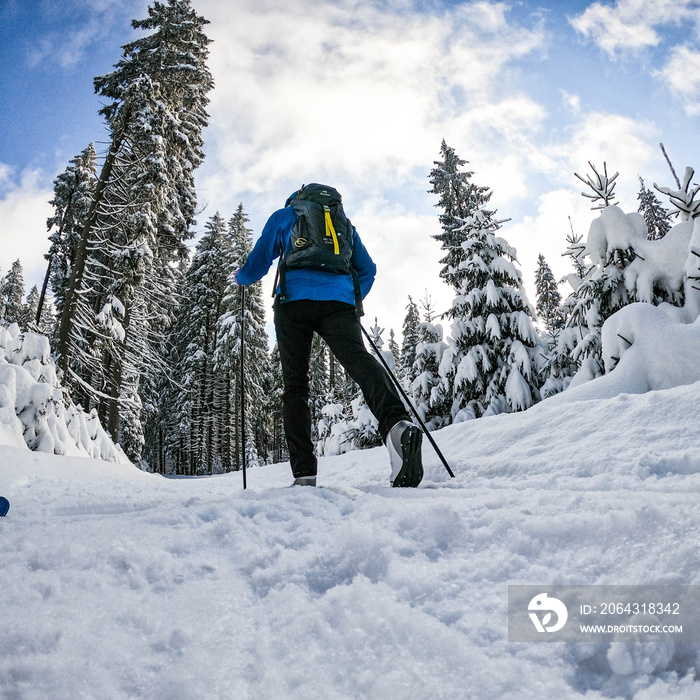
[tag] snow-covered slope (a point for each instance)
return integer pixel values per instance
(120, 584)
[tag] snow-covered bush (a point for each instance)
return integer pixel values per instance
(331, 430)
(655, 343)
(36, 412)
(339, 433)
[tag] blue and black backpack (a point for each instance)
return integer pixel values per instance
(321, 238)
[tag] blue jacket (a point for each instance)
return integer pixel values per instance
(303, 283)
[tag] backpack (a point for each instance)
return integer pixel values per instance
(321, 237)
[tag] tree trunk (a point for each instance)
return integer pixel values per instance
(76, 273)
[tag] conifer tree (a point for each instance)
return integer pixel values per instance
(279, 443)
(411, 338)
(117, 300)
(599, 292)
(29, 310)
(489, 366)
(493, 338)
(258, 373)
(47, 319)
(683, 199)
(363, 428)
(318, 382)
(73, 192)
(193, 413)
(12, 293)
(429, 399)
(394, 349)
(548, 297)
(657, 219)
(575, 250)
(458, 197)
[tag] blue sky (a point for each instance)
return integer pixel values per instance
(360, 94)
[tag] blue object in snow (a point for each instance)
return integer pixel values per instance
(4, 506)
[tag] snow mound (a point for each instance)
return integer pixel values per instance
(650, 349)
(35, 412)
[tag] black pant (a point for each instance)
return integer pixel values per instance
(338, 325)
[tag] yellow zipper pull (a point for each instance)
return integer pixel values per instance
(330, 231)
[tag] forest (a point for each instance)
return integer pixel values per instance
(147, 337)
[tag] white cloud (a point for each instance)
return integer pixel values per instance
(360, 95)
(632, 24)
(545, 232)
(624, 144)
(24, 209)
(682, 75)
(355, 90)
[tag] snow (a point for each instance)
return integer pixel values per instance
(660, 262)
(116, 583)
(653, 350)
(35, 412)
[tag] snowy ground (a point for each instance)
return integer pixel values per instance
(119, 584)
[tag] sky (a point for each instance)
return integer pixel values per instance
(359, 95)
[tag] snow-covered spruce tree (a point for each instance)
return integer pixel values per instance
(576, 251)
(258, 373)
(558, 342)
(683, 199)
(458, 198)
(491, 362)
(318, 382)
(27, 320)
(192, 412)
(602, 186)
(548, 297)
(489, 366)
(120, 286)
(73, 191)
(394, 350)
(411, 338)
(12, 293)
(602, 290)
(656, 217)
(429, 400)
(279, 443)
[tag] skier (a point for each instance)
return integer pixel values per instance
(310, 299)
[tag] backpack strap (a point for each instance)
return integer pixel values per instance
(281, 277)
(358, 292)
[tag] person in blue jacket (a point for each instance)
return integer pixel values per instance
(324, 302)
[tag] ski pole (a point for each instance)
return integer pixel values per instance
(242, 288)
(409, 402)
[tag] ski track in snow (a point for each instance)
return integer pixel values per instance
(119, 584)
